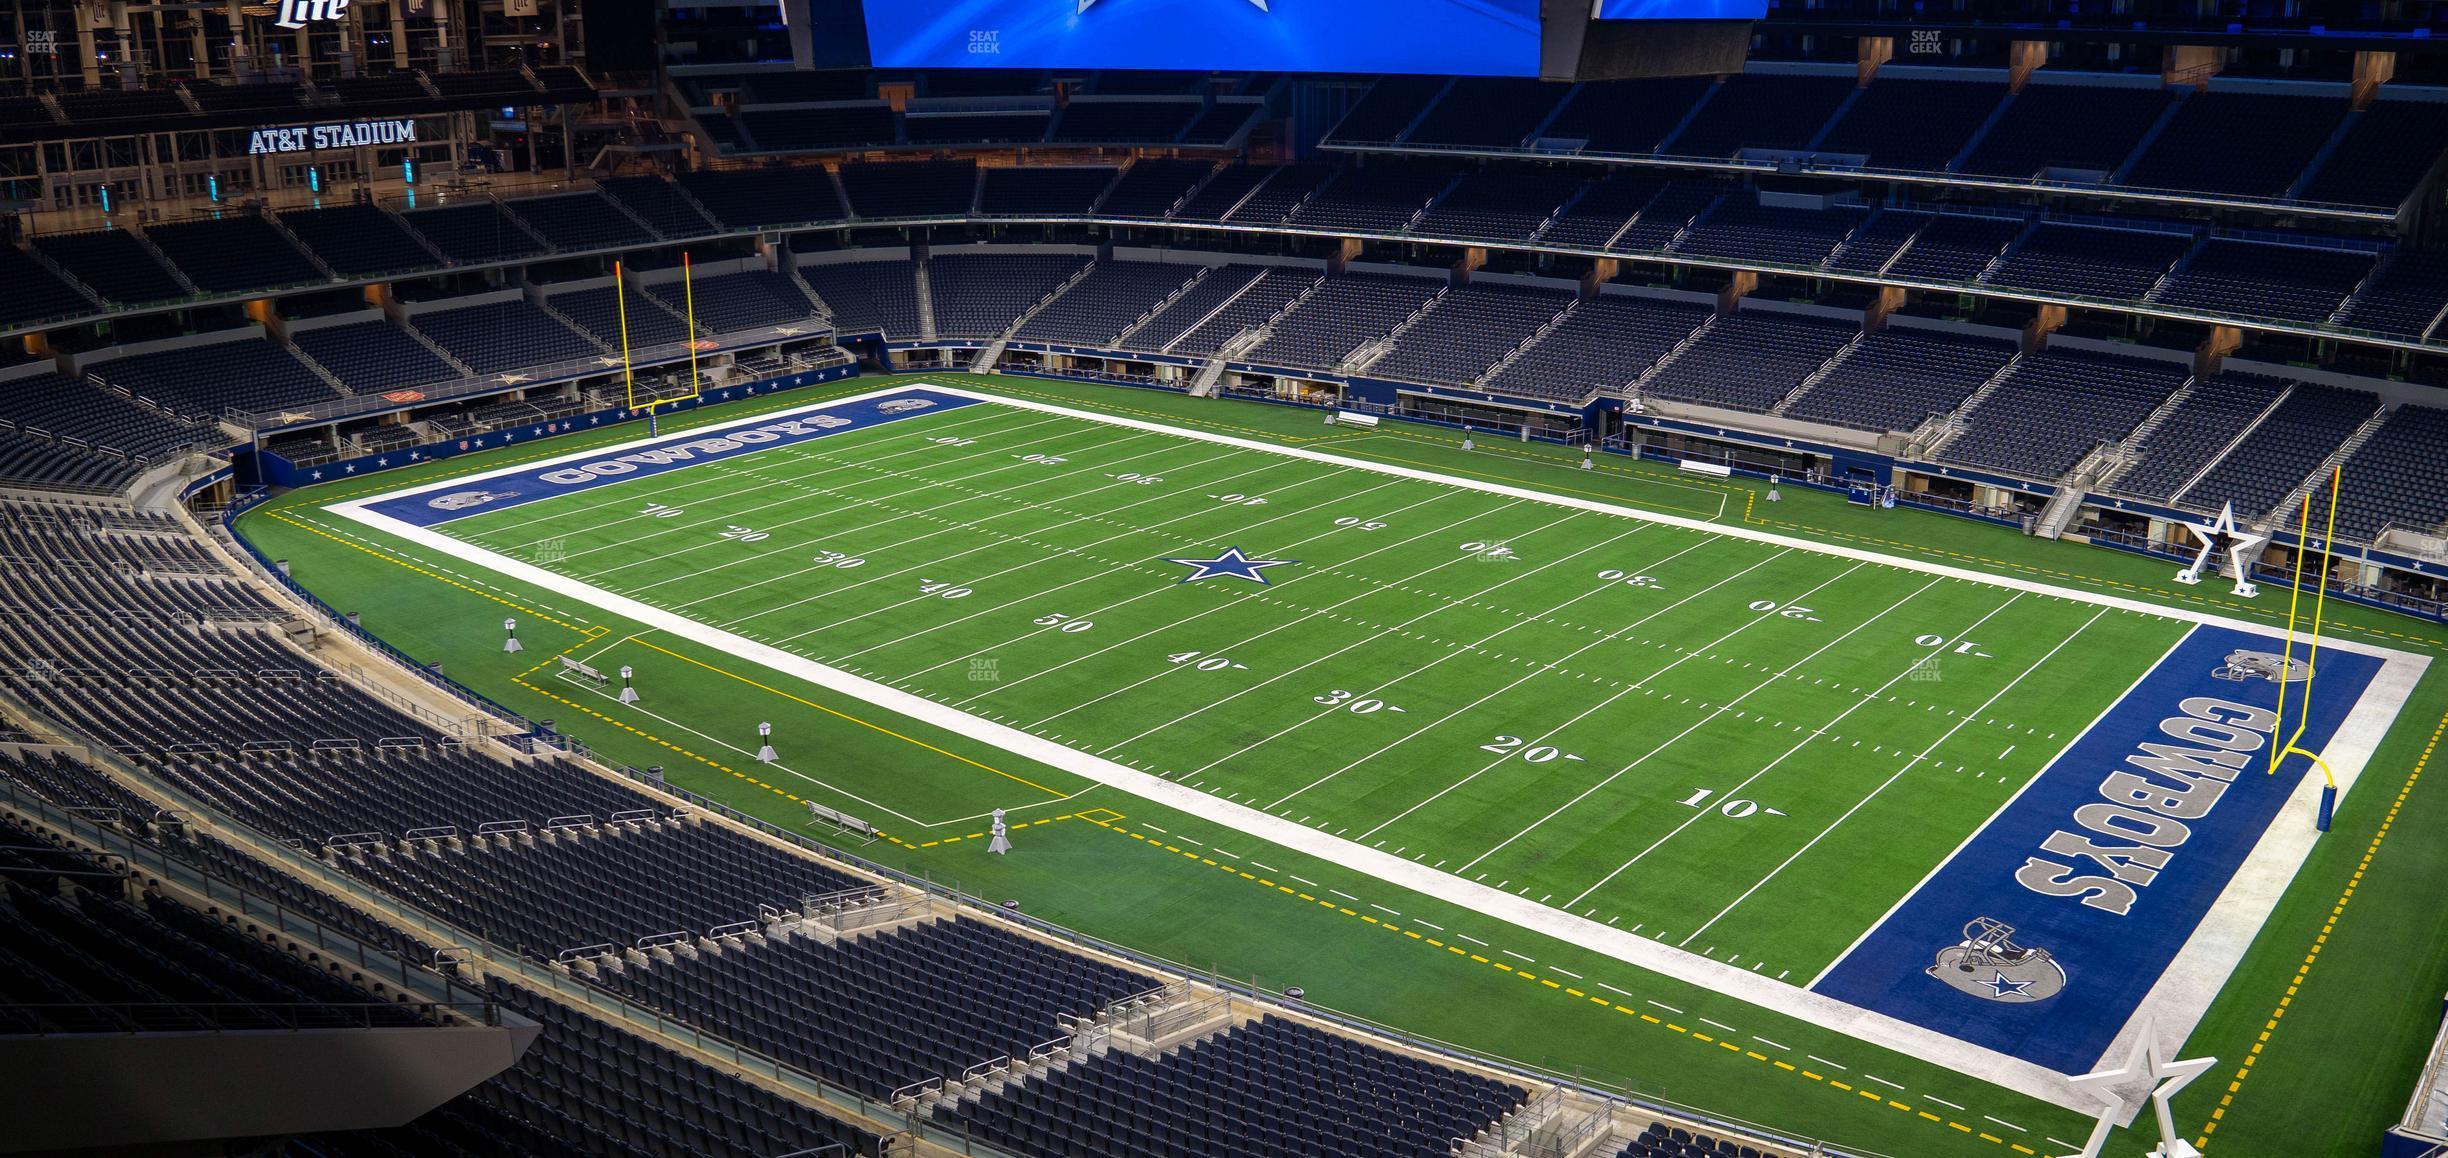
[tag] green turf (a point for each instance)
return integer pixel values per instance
(1669, 730)
(1208, 915)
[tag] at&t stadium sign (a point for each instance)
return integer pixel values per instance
(336, 135)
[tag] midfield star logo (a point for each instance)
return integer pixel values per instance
(1232, 564)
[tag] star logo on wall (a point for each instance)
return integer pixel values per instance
(1232, 564)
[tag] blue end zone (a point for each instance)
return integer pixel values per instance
(434, 505)
(2112, 920)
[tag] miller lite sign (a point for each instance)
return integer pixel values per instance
(300, 13)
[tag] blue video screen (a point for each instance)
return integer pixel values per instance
(1681, 9)
(1456, 37)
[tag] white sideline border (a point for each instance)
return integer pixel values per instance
(2178, 1001)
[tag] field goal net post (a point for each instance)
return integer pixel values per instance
(2292, 745)
(696, 388)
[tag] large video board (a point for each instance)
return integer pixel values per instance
(1457, 37)
(1681, 9)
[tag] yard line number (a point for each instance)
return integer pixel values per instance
(1068, 624)
(1357, 705)
(1529, 752)
(1736, 807)
(1205, 662)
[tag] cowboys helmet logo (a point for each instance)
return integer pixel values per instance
(900, 405)
(1988, 964)
(2246, 665)
(462, 500)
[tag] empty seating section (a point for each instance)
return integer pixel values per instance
(1601, 211)
(1101, 306)
(373, 356)
(1220, 123)
(1488, 112)
(113, 263)
(1626, 116)
(475, 232)
(2078, 261)
(1952, 248)
(1270, 1088)
(1660, 1140)
(884, 1010)
(1910, 124)
(44, 464)
(1756, 111)
(579, 886)
(499, 336)
(2055, 407)
(1152, 186)
(734, 302)
(2077, 128)
(1876, 241)
(198, 382)
(1287, 187)
(659, 204)
(55, 406)
(1345, 313)
(1234, 296)
(34, 292)
(2411, 448)
(744, 199)
(602, 312)
(1749, 360)
(976, 128)
(1742, 229)
(2404, 298)
(911, 189)
(864, 296)
(580, 221)
(1054, 191)
(790, 130)
(1095, 122)
(232, 254)
(1663, 219)
(1221, 192)
(1468, 331)
(1604, 344)
(313, 795)
(359, 240)
(2195, 431)
(981, 295)
(79, 960)
(1380, 198)
(1389, 106)
(1899, 378)
(2391, 146)
(2243, 279)
(2237, 143)
(2274, 458)
(1500, 204)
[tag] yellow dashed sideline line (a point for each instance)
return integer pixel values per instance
(851, 718)
(1511, 969)
(2321, 940)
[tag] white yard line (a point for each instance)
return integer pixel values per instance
(1294, 581)
(1721, 709)
(1533, 674)
(1619, 693)
(681, 482)
(1909, 765)
(1289, 624)
(812, 449)
(1089, 578)
(1027, 635)
(2240, 911)
(1028, 539)
(1736, 790)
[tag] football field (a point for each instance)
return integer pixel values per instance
(1789, 772)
